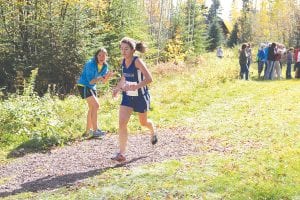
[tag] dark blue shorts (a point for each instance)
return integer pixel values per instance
(86, 92)
(139, 103)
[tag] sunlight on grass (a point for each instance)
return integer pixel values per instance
(249, 129)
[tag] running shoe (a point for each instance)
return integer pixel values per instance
(98, 133)
(154, 139)
(119, 157)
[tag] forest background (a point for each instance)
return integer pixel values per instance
(56, 37)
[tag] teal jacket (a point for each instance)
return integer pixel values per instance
(90, 72)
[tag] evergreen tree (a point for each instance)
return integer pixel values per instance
(123, 18)
(195, 37)
(188, 32)
(233, 38)
(200, 38)
(214, 35)
(213, 11)
(245, 22)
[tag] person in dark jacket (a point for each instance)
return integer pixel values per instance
(260, 60)
(271, 61)
(243, 60)
(289, 61)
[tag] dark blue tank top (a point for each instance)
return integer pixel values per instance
(132, 74)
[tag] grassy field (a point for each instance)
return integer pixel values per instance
(256, 125)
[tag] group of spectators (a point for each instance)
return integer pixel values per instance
(270, 58)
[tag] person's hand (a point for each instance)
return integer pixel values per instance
(133, 87)
(109, 74)
(115, 92)
(128, 87)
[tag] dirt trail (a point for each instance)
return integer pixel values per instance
(71, 164)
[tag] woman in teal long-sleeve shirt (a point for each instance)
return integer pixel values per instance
(94, 71)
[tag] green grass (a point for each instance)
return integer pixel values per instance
(256, 123)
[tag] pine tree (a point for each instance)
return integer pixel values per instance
(245, 21)
(195, 28)
(213, 11)
(214, 35)
(233, 38)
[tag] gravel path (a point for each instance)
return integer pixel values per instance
(70, 164)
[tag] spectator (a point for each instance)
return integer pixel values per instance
(219, 52)
(243, 60)
(289, 61)
(260, 60)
